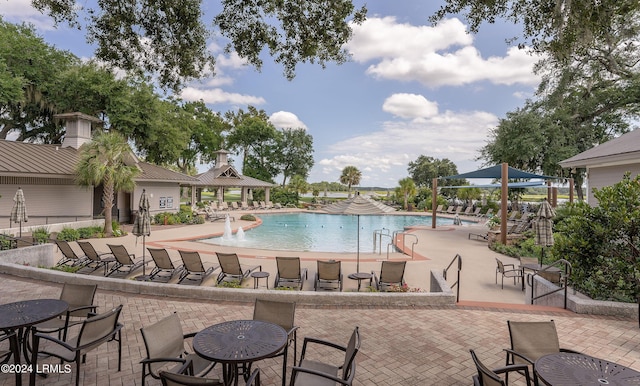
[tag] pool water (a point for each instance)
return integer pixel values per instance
(315, 232)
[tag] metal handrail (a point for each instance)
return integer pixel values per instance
(384, 232)
(457, 258)
(404, 234)
(564, 280)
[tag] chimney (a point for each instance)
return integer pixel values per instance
(77, 128)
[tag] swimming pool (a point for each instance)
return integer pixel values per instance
(316, 232)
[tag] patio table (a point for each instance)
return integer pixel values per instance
(237, 344)
(569, 369)
(20, 316)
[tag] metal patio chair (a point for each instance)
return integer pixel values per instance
(96, 260)
(312, 372)
(290, 274)
(80, 299)
(489, 377)
(391, 274)
(125, 262)
(328, 275)
(69, 256)
(164, 269)
(192, 267)
(230, 267)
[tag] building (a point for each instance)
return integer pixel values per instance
(46, 174)
(607, 163)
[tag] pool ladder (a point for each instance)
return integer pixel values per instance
(378, 235)
(399, 237)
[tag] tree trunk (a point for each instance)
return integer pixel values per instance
(107, 197)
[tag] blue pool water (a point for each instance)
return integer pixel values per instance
(316, 232)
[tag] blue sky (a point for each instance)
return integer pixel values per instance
(410, 89)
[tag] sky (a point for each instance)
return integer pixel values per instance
(410, 89)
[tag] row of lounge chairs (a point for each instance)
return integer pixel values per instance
(192, 270)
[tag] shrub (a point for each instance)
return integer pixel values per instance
(230, 284)
(69, 234)
(90, 232)
(66, 268)
(41, 235)
(248, 217)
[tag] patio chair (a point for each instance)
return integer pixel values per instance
(234, 205)
(391, 274)
(283, 314)
(164, 269)
(124, 260)
(451, 209)
(12, 351)
(476, 212)
(192, 267)
(488, 377)
(230, 268)
(184, 378)
(486, 214)
(328, 275)
(263, 205)
(256, 205)
(310, 372)
(467, 211)
(289, 273)
(69, 256)
(244, 205)
(509, 271)
(80, 298)
(439, 209)
(530, 341)
(223, 206)
(96, 260)
(165, 345)
(95, 331)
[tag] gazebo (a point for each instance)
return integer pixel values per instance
(224, 175)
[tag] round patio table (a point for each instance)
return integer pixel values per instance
(360, 276)
(239, 343)
(569, 369)
(22, 315)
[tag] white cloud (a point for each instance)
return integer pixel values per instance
(435, 56)
(410, 106)
(19, 11)
(218, 95)
(286, 120)
(383, 155)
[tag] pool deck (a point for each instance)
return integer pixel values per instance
(400, 345)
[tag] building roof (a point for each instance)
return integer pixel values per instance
(227, 176)
(54, 161)
(621, 150)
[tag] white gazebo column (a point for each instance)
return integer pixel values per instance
(243, 194)
(193, 195)
(266, 194)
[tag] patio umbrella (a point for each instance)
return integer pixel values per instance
(142, 225)
(358, 205)
(544, 226)
(19, 210)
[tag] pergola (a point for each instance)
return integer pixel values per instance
(502, 172)
(224, 175)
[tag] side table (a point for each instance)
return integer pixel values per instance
(360, 276)
(259, 275)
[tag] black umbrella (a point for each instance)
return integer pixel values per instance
(19, 210)
(142, 225)
(358, 205)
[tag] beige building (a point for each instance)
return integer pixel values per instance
(46, 175)
(607, 163)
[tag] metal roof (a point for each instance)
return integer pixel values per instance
(623, 149)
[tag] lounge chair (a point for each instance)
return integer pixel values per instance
(486, 214)
(230, 268)
(311, 372)
(95, 331)
(125, 263)
(509, 271)
(391, 274)
(451, 209)
(513, 216)
(479, 236)
(192, 267)
(96, 260)
(283, 314)
(439, 209)
(467, 211)
(476, 212)
(530, 341)
(256, 205)
(164, 269)
(486, 376)
(289, 273)
(165, 345)
(263, 205)
(234, 205)
(213, 216)
(328, 276)
(244, 205)
(224, 206)
(69, 256)
(80, 299)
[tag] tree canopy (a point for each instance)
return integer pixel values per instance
(170, 38)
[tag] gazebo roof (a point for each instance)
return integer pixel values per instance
(228, 176)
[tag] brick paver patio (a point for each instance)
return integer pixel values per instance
(400, 346)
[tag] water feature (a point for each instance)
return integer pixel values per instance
(227, 229)
(240, 234)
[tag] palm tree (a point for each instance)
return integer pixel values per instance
(350, 176)
(102, 161)
(406, 189)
